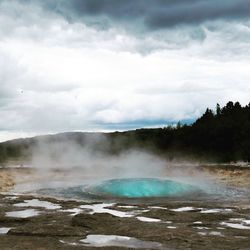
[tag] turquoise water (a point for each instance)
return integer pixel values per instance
(142, 187)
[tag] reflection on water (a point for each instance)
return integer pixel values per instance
(38, 203)
(4, 230)
(119, 241)
(100, 240)
(23, 213)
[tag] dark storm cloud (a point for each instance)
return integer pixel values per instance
(153, 14)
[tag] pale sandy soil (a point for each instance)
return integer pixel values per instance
(6, 180)
(231, 175)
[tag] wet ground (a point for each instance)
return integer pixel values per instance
(192, 222)
(28, 222)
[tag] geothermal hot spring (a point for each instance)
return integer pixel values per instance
(130, 189)
(140, 188)
(132, 175)
(123, 188)
(141, 198)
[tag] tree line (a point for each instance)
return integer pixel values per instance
(221, 135)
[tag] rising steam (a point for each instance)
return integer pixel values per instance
(92, 159)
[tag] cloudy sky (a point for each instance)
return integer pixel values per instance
(103, 65)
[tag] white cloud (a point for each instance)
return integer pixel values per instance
(60, 76)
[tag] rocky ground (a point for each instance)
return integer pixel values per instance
(31, 222)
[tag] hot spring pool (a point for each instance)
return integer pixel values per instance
(141, 188)
(134, 189)
(125, 188)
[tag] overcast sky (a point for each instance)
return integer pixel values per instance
(103, 65)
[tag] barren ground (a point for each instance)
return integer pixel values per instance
(35, 222)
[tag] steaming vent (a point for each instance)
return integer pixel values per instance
(141, 188)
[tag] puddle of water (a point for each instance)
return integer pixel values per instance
(236, 219)
(102, 208)
(242, 220)
(23, 214)
(235, 225)
(240, 237)
(213, 233)
(4, 230)
(73, 211)
(168, 222)
(127, 207)
(118, 241)
(184, 209)
(171, 227)
(216, 210)
(202, 233)
(202, 227)
(38, 203)
(69, 243)
(197, 222)
(156, 207)
(246, 222)
(146, 219)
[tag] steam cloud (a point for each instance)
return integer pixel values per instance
(70, 161)
(91, 159)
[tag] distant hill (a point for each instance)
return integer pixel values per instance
(222, 135)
